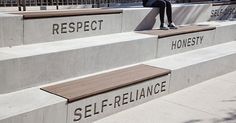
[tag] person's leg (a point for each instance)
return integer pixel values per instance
(161, 4)
(171, 25)
(169, 11)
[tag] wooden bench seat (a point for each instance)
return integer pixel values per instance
(224, 3)
(90, 86)
(65, 13)
(179, 31)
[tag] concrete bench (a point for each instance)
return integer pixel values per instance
(193, 67)
(104, 94)
(225, 31)
(185, 38)
(40, 27)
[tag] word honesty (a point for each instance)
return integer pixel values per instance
(187, 42)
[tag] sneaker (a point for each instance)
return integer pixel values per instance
(172, 26)
(164, 27)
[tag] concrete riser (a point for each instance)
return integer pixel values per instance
(56, 29)
(194, 74)
(182, 43)
(109, 103)
(22, 72)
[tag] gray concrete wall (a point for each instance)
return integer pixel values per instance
(11, 30)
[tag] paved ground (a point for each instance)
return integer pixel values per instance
(213, 101)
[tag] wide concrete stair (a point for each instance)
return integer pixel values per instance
(80, 66)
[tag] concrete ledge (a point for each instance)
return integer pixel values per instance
(32, 106)
(31, 65)
(184, 39)
(135, 19)
(100, 106)
(208, 102)
(62, 28)
(199, 65)
(11, 30)
(225, 31)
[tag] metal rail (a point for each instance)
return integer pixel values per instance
(93, 3)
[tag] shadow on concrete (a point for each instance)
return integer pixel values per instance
(230, 100)
(230, 118)
(149, 20)
(193, 121)
(227, 12)
(188, 15)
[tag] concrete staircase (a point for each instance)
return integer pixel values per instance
(50, 48)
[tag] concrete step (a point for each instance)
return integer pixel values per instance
(195, 66)
(183, 39)
(209, 102)
(32, 106)
(28, 31)
(187, 69)
(111, 92)
(225, 30)
(32, 65)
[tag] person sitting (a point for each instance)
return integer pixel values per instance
(162, 5)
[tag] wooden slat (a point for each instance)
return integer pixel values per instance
(65, 13)
(224, 3)
(179, 31)
(90, 86)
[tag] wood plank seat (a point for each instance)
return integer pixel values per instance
(65, 13)
(179, 31)
(90, 86)
(224, 3)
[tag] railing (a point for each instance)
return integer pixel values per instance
(5, 3)
(93, 3)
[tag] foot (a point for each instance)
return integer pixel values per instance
(172, 26)
(163, 27)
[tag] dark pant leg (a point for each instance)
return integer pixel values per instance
(169, 11)
(161, 4)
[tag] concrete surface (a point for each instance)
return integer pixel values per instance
(190, 13)
(62, 28)
(225, 30)
(223, 12)
(195, 66)
(32, 65)
(213, 101)
(135, 19)
(32, 106)
(11, 30)
(176, 44)
(105, 104)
